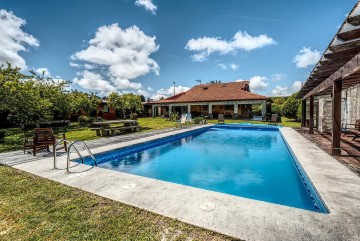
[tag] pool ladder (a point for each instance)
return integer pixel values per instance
(72, 145)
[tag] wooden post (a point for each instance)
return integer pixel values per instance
(311, 117)
(336, 119)
(303, 113)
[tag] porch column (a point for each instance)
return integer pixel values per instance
(311, 117)
(236, 111)
(336, 119)
(263, 111)
(153, 114)
(303, 113)
(210, 109)
(189, 109)
(170, 109)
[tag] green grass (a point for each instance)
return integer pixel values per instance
(284, 122)
(14, 138)
(34, 208)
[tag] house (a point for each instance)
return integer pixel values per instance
(103, 110)
(233, 99)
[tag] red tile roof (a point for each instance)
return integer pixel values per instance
(215, 92)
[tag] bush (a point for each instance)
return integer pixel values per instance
(276, 109)
(173, 116)
(198, 119)
(291, 106)
(85, 120)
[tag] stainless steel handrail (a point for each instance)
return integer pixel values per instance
(57, 143)
(68, 154)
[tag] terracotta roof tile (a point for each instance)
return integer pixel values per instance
(215, 92)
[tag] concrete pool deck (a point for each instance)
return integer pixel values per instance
(235, 216)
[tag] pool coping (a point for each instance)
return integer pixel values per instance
(235, 216)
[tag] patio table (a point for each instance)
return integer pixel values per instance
(104, 126)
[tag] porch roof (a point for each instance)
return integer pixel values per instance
(232, 91)
(341, 59)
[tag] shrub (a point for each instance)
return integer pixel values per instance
(198, 119)
(173, 116)
(85, 120)
(276, 109)
(291, 106)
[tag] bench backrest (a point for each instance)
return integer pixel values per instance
(44, 135)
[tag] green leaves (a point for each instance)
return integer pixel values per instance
(126, 102)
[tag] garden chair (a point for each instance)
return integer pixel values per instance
(43, 137)
(273, 119)
(182, 120)
(221, 119)
(353, 129)
(257, 118)
(189, 118)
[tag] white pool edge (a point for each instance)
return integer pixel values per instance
(235, 216)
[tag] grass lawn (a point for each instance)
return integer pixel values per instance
(14, 137)
(34, 208)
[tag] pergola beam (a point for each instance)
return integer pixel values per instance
(349, 68)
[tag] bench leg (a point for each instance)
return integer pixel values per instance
(98, 133)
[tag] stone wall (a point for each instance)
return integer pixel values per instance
(350, 108)
(324, 119)
(353, 104)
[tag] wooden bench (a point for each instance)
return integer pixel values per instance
(120, 129)
(98, 131)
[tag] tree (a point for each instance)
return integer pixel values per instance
(143, 99)
(22, 96)
(291, 106)
(87, 102)
(126, 102)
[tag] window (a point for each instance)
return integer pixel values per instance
(105, 108)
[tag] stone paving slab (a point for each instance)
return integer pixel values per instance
(235, 216)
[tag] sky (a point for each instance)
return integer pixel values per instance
(143, 46)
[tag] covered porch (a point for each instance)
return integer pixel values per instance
(335, 75)
(230, 109)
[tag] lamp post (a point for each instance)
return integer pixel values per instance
(174, 87)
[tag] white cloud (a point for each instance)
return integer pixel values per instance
(258, 83)
(286, 90)
(93, 81)
(241, 41)
(147, 4)
(231, 66)
(74, 64)
(306, 57)
(222, 66)
(13, 39)
(43, 71)
(150, 89)
(168, 92)
(278, 77)
(120, 55)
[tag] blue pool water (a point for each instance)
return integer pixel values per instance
(247, 162)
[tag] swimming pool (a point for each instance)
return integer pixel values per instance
(247, 161)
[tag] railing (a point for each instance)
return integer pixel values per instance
(59, 142)
(69, 150)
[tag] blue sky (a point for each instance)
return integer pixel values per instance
(143, 46)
